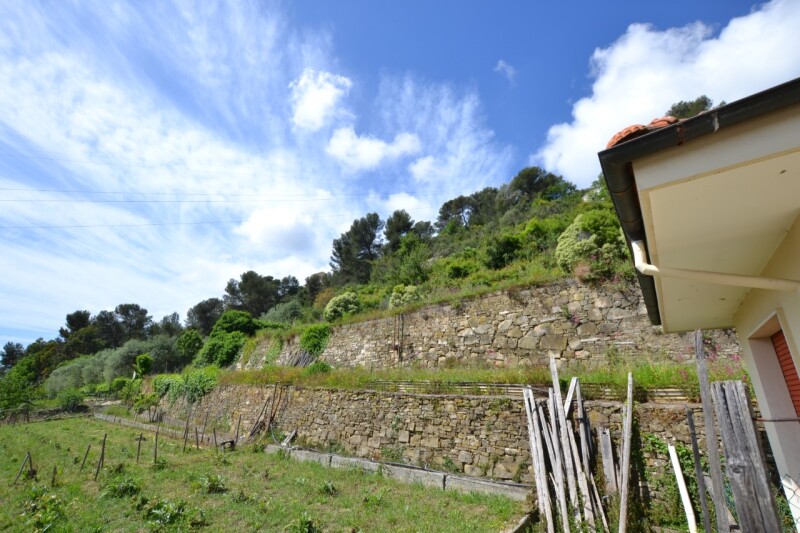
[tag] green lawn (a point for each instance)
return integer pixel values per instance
(246, 490)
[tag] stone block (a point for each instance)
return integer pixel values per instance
(404, 436)
(607, 327)
(588, 328)
(338, 461)
(553, 342)
(414, 475)
(430, 442)
(465, 457)
(307, 455)
(595, 315)
(528, 342)
(466, 484)
(505, 470)
(542, 329)
(602, 302)
(514, 333)
(505, 325)
(618, 314)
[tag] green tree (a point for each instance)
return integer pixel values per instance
(253, 293)
(75, 322)
(354, 251)
(397, 226)
(689, 109)
(234, 320)
(169, 325)
(189, 343)
(143, 365)
(134, 320)
(109, 329)
(12, 352)
(204, 315)
(315, 283)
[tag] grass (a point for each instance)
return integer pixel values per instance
(246, 491)
(648, 374)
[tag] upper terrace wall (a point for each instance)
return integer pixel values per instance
(512, 328)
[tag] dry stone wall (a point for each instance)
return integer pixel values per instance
(511, 328)
(483, 436)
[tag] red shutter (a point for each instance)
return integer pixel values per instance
(788, 369)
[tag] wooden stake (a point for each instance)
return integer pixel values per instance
(22, 467)
(238, 423)
(570, 393)
(139, 447)
(89, 447)
(626, 459)
(102, 457)
(698, 471)
(53, 479)
(215, 438)
(205, 421)
(196, 439)
(155, 446)
(585, 433)
(558, 459)
(186, 428)
(712, 448)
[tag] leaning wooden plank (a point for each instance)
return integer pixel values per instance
(698, 471)
(747, 473)
(557, 465)
(598, 503)
(626, 459)
(570, 394)
(583, 484)
(607, 451)
(569, 468)
(546, 492)
(527, 398)
(685, 499)
(585, 433)
(712, 448)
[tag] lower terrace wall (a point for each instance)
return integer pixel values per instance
(483, 436)
(511, 328)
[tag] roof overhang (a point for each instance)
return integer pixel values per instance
(715, 193)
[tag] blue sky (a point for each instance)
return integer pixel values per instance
(150, 151)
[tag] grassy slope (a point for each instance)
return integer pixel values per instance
(264, 491)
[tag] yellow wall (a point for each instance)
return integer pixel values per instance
(760, 315)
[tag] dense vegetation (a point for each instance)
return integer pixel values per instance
(535, 228)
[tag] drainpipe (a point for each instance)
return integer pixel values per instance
(717, 278)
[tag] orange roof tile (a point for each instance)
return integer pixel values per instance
(637, 130)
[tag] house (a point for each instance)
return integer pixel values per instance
(710, 208)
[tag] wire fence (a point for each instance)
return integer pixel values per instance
(792, 491)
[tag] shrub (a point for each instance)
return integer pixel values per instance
(593, 240)
(235, 321)
(221, 349)
(502, 250)
(284, 313)
(317, 367)
(70, 399)
(189, 343)
(314, 338)
(339, 306)
(404, 295)
(118, 384)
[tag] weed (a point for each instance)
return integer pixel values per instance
(160, 464)
(328, 488)
(304, 524)
(213, 484)
(121, 488)
(282, 454)
(450, 465)
(392, 454)
(42, 510)
(242, 497)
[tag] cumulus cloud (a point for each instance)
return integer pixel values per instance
(315, 96)
(366, 153)
(506, 70)
(646, 70)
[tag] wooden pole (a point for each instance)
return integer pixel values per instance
(89, 447)
(626, 459)
(139, 447)
(607, 452)
(22, 467)
(155, 446)
(687, 501)
(196, 439)
(186, 428)
(561, 492)
(238, 423)
(205, 421)
(548, 510)
(215, 438)
(102, 457)
(712, 448)
(53, 479)
(698, 471)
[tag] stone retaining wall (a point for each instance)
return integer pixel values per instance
(481, 436)
(511, 328)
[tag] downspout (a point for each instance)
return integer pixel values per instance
(718, 278)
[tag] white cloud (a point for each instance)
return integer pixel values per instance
(366, 153)
(315, 96)
(645, 71)
(506, 70)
